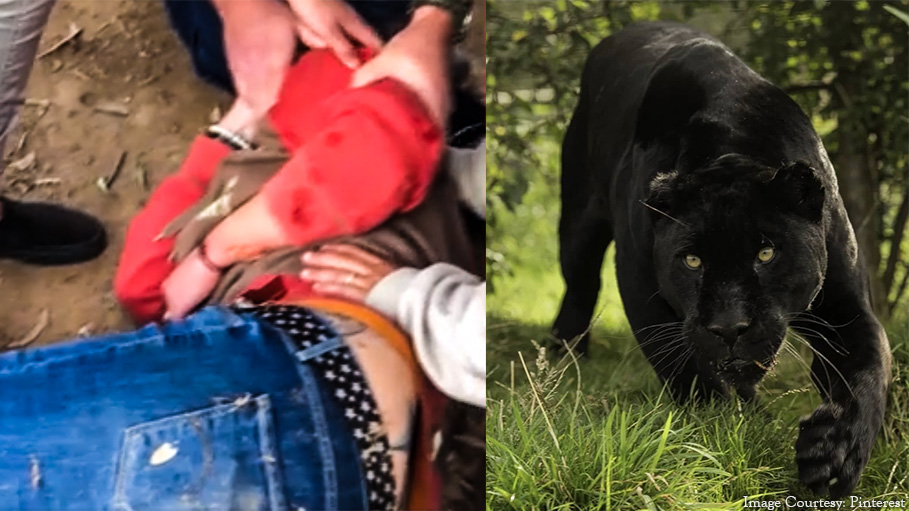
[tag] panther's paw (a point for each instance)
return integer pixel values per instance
(832, 449)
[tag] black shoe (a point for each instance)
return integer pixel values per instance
(48, 234)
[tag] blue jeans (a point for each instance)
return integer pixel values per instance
(213, 412)
(199, 27)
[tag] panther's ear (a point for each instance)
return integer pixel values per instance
(797, 187)
(673, 96)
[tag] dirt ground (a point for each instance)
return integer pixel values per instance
(126, 61)
(124, 85)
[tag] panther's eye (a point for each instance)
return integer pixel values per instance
(692, 261)
(765, 255)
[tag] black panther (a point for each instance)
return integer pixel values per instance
(729, 229)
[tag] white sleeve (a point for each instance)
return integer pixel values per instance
(443, 308)
(468, 168)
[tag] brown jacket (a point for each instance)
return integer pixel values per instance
(433, 232)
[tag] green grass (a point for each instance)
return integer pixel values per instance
(600, 433)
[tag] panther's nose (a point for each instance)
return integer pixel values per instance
(729, 331)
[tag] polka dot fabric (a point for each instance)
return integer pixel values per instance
(340, 371)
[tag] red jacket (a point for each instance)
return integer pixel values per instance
(358, 156)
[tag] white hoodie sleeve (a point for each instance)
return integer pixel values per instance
(443, 308)
(468, 168)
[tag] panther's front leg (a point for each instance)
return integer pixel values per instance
(851, 369)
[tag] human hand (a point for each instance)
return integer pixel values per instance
(188, 285)
(259, 40)
(336, 25)
(242, 120)
(344, 270)
(417, 57)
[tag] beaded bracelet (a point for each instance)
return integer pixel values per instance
(203, 256)
(235, 141)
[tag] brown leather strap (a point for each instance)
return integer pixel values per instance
(421, 492)
(369, 317)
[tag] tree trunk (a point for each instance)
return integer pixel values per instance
(858, 187)
(899, 230)
(475, 45)
(900, 290)
(856, 170)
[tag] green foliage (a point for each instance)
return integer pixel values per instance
(845, 63)
(599, 434)
(530, 94)
(536, 53)
(898, 13)
(573, 454)
(555, 460)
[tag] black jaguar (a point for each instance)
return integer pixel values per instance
(729, 229)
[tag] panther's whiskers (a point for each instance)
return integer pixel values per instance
(676, 220)
(827, 362)
(658, 337)
(810, 331)
(671, 347)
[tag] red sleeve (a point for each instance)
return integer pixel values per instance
(311, 81)
(144, 263)
(374, 152)
(359, 156)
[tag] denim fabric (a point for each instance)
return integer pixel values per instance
(213, 412)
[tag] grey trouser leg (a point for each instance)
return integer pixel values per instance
(21, 24)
